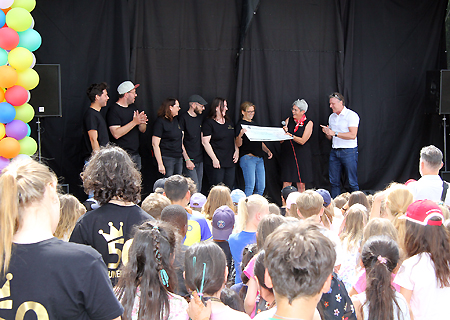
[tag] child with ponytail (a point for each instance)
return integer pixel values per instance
(424, 277)
(380, 256)
(147, 282)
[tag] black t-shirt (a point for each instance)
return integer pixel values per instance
(53, 279)
(253, 147)
(120, 116)
(109, 230)
(222, 141)
(171, 135)
(192, 127)
(93, 120)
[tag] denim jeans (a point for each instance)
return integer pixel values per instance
(254, 174)
(172, 165)
(346, 158)
(195, 174)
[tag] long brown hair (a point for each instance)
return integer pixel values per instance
(22, 182)
(218, 196)
(434, 240)
(70, 210)
(217, 102)
(164, 108)
(150, 253)
(380, 256)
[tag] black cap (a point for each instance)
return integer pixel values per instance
(159, 183)
(287, 190)
(198, 99)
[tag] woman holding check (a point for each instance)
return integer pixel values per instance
(296, 164)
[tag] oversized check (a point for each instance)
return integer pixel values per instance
(256, 133)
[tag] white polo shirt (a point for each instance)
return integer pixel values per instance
(340, 123)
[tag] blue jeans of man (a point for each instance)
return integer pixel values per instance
(347, 159)
(254, 174)
(172, 165)
(195, 174)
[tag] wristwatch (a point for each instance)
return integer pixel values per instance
(335, 134)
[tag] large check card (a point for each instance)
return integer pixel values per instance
(255, 133)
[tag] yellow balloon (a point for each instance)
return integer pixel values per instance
(26, 4)
(2, 130)
(24, 112)
(19, 19)
(28, 78)
(20, 58)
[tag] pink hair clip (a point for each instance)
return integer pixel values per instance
(381, 260)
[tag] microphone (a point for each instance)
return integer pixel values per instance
(283, 123)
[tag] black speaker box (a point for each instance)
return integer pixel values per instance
(46, 97)
(444, 101)
(445, 175)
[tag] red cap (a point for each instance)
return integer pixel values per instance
(421, 211)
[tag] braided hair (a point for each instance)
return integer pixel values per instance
(150, 270)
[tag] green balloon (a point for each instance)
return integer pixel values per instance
(28, 146)
(24, 112)
(19, 19)
(30, 39)
(3, 57)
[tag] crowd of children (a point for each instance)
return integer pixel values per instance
(226, 256)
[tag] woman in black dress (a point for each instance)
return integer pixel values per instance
(296, 161)
(218, 141)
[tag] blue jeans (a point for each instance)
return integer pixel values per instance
(254, 174)
(172, 165)
(348, 159)
(195, 174)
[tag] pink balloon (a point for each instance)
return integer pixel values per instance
(9, 38)
(16, 95)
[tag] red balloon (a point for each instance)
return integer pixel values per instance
(16, 95)
(9, 38)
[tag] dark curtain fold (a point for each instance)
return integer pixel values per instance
(270, 52)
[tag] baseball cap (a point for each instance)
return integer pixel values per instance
(287, 190)
(325, 195)
(222, 223)
(159, 183)
(126, 86)
(421, 211)
(236, 195)
(291, 198)
(198, 99)
(197, 200)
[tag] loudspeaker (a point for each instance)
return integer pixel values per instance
(445, 175)
(444, 101)
(46, 97)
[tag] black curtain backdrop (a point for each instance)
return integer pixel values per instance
(270, 52)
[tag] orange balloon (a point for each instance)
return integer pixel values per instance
(6, 10)
(8, 76)
(9, 148)
(2, 95)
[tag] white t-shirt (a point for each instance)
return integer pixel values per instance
(404, 311)
(428, 187)
(428, 300)
(340, 123)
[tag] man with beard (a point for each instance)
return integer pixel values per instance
(125, 121)
(95, 131)
(191, 124)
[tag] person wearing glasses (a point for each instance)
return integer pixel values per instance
(296, 160)
(251, 153)
(167, 139)
(342, 130)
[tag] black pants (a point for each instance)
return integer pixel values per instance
(222, 175)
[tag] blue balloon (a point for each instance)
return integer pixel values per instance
(2, 18)
(30, 39)
(3, 56)
(7, 112)
(29, 130)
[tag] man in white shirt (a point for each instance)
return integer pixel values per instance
(430, 186)
(342, 129)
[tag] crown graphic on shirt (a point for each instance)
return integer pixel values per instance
(5, 292)
(113, 232)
